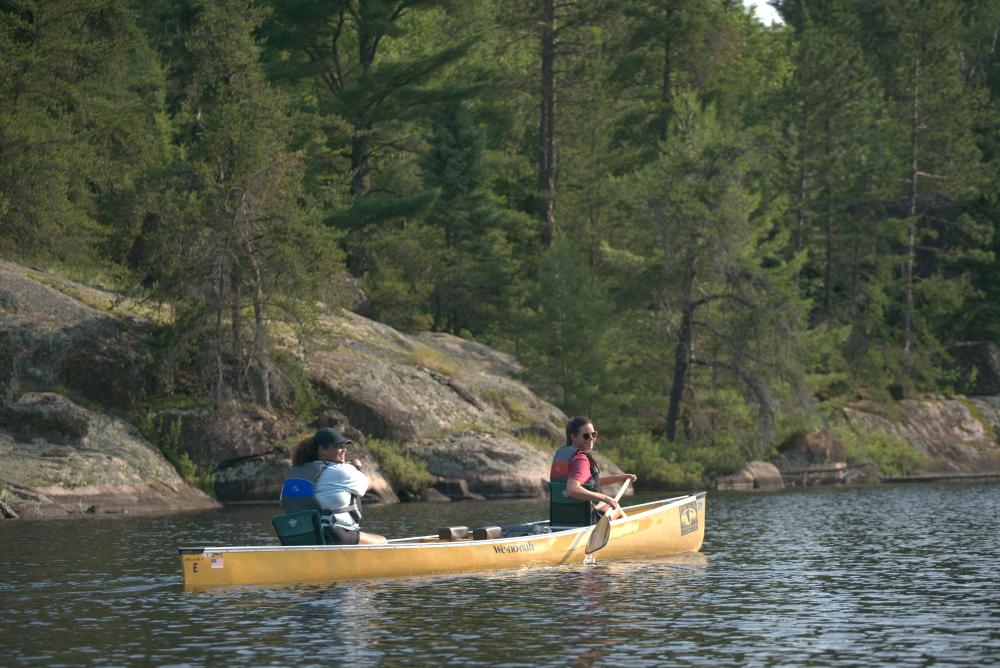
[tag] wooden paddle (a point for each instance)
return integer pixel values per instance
(602, 532)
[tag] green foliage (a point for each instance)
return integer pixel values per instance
(77, 125)
(792, 425)
(564, 339)
(752, 226)
(646, 458)
(401, 275)
(474, 265)
(404, 473)
(661, 464)
(888, 454)
(166, 437)
(229, 238)
(306, 401)
(830, 378)
(714, 270)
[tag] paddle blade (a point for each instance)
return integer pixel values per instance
(600, 535)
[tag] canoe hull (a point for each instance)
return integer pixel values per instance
(659, 528)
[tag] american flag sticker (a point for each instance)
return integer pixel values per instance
(217, 562)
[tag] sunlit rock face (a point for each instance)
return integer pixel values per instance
(454, 405)
(50, 339)
(955, 434)
(420, 394)
(59, 458)
(755, 475)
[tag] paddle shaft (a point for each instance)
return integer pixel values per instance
(621, 491)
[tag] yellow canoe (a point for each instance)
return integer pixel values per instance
(667, 526)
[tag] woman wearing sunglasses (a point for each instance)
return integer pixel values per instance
(575, 481)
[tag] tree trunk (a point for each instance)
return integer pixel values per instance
(666, 92)
(912, 211)
(682, 362)
(361, 152)
(682, 353)
(218, 306)
(828, 226)
(361, 142)
(236, 325)
(800, 217)
(261, 348)
(547, 129)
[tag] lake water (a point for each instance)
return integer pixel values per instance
(894, 575)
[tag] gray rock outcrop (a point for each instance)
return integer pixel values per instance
(453, 404)
(493, 465)
(404, 388)
(51, 339)
(818, 457)
(58, 458)
(423, 394)
(954, 434)
(755, 475)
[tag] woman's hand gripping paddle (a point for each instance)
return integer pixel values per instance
(602, 532)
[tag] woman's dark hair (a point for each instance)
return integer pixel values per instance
(305, 451)
(574, 426)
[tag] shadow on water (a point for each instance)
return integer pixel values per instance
(883, 575)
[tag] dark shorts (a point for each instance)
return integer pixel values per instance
(336, 535)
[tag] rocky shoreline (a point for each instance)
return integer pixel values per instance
(78, 425)
(79, 434)
(955, 438)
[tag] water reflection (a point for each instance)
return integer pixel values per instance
(825, 577)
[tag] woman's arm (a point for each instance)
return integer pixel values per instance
(577, 491)
(614, 479)
(356, 463)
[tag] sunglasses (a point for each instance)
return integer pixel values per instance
(589, 435)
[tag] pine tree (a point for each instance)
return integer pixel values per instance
(936, 158)
(363, 66)
(713, 273)
(475, 268)
(559, 28)
(565, 345)
(78, 124)
(665, 47)
(840, 176)
(231, 241)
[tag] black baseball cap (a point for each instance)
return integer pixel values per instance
(328, 436)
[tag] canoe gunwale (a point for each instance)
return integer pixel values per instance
(432, 541)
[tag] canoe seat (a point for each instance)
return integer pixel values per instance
(487, 533)
(453, 533)
(299, 528)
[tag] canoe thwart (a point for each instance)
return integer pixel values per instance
(453, 533)
(487, 533)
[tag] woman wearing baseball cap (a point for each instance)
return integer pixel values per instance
(322, 478)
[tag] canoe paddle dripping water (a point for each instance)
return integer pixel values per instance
(602, 531)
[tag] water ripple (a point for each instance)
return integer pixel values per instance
(846, 577)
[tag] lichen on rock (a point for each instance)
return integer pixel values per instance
(60, 458)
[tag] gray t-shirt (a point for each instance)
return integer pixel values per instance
(334, 488)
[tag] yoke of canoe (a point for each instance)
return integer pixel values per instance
(662, 527)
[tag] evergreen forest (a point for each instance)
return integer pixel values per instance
(704, 232)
